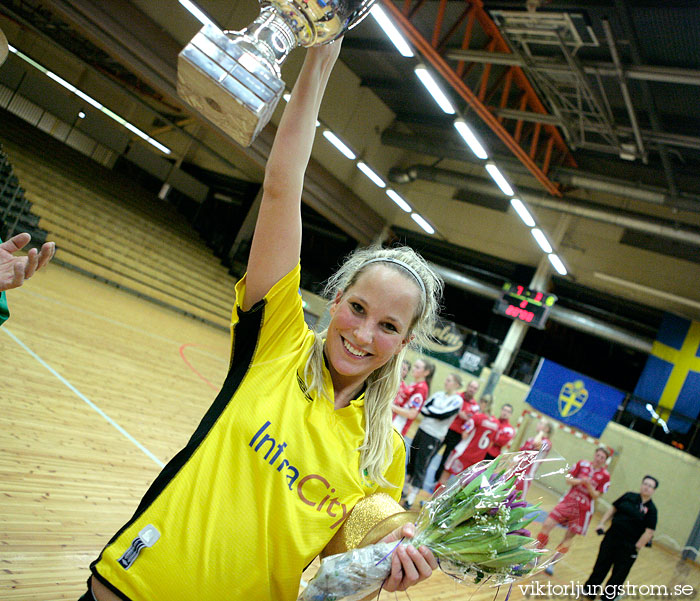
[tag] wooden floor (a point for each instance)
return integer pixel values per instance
(98, 389)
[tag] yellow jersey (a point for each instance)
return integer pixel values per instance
(264, 483)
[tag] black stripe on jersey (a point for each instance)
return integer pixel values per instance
(246, 333)
(403, 441)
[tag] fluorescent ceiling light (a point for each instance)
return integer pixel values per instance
(378, 181)
(390, 30)
(501, 181)
(111, 114)
(557, 264)
(335, 140)
(197, 13)
(538, 234)
(397, 199)
(469, 137)
(72, 88)
(423, 223)
(427, 80)
(522, 212)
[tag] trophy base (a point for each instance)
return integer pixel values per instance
(230, 86)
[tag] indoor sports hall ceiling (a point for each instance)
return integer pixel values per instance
(590, 109)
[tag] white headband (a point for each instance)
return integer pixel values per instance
(406, 266)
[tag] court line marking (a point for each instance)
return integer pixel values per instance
(192, 367)
(87, 401)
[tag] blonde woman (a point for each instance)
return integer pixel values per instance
(301, 430)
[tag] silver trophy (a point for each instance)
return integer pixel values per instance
(233, 77)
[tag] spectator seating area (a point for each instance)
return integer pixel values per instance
(15, 209)
(107, 226)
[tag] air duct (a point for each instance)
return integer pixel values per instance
(571, 206)
(563, 175)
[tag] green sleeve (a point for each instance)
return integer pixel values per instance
(4, 311)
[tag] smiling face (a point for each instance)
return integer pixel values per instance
(370, 323)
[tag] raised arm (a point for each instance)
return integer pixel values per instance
(277, 239)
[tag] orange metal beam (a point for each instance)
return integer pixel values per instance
(412, 11)
(548, 154)
(505, 92)
(455, 26)
(487, 72)
(491, 29)
(439, 63)
(438, 23)
(519, 124)
(466, 39)
(495, 87)
(535, 141)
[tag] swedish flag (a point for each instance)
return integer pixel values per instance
(671, 377)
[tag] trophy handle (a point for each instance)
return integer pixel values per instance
(272, 36)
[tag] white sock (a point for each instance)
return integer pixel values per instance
(411, 497)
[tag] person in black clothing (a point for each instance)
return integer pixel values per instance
(633, 523)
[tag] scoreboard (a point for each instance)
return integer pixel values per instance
(522, 304)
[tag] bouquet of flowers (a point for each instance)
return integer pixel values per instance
(475, 527)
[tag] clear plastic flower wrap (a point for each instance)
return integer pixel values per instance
(476, 527)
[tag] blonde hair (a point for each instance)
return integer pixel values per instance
(376, 452)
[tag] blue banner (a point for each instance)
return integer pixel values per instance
(574, 399)
(671, 377)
